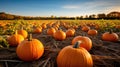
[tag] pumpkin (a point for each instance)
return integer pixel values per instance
(70, 32)
(85, 28)
(92, 32)
(23, 33)
(117, 26)
(86, 42)
(59, 35)
(15, 39)
(37, 30)
(30, 49)
(75, 27)
(74, 56)
(51, 31)
(110, 36)
(44, 26)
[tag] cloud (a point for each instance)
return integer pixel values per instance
(96, 4)
(71, 7)
(112, 8)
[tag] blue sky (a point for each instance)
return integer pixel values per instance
(58, 7)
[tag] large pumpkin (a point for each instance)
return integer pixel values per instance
(74, 56)
(15, 39)
(29, 50)
(59, 35)
(23, 33)
(86, 42)
(110, 36)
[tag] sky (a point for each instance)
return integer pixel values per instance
(58, 7)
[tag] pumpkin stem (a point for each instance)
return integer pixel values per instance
(77, 44)
(21, 27)
(16, 32)
(59, 28)
(111, 31)
(29, 37)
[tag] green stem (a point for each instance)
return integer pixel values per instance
(77, 44)
(21, 27)
(29, 37)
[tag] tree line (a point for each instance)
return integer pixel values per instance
(111, 15)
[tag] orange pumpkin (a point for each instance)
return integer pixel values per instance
(86, 42)
(59, 35)
(75, 27)
(70, 32)
(85, 28)
(74, 56)
(117, 26)
(30, 50)
(15, 39)
(37, 30)
(110, 36)
(51, 31)
(44, 26)
(23, 33)
(92, 32)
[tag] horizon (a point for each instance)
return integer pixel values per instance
(69, 8)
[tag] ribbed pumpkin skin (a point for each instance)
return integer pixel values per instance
(70, 33)
(23, 33)
(92, 32)
(59, 35)
(86, 42)
(30, 50)
(51, 31)
(15, 39)
(74, 57)
(110, 37)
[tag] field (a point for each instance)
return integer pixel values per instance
(104, 53)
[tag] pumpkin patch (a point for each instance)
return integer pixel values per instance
(65, 46)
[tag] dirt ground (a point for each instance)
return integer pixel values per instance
(104, 53)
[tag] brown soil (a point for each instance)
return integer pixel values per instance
(104, 53)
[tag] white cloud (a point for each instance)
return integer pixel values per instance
(112, 8)
(71, 7)
(92, 5)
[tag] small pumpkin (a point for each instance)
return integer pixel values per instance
(110, 36)
(22, 32)
(70, 32)
(51, 31)
(85, 28)
(15, 39)
(86, 42)
(30, 50)
(74, 56)
(44, 26)
(37, 30)
(59, 35)
(117, 26)
(92, 32)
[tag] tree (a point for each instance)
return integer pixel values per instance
(101, 16)
(114, 15)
